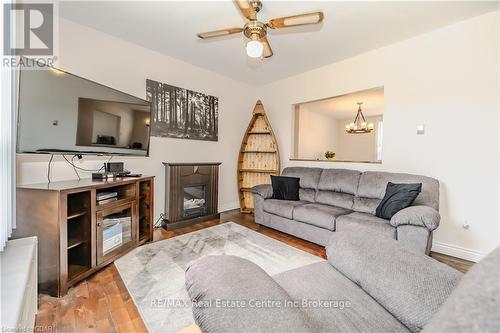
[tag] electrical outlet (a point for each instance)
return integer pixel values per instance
(420, 129)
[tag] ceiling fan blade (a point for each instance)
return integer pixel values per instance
(296, 20)
(246, 9)
(268, 52)
(219, 33)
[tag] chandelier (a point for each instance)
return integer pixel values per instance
(359, 126)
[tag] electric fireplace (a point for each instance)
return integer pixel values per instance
(191, 193)
(195, 201)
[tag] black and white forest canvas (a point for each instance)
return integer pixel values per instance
(182, 113)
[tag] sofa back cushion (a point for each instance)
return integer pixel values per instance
(309, 178)
(372, 185)
(339, 180)
(410, 285)
(337, 187)
(343, 200)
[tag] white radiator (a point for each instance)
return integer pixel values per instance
(19, 281)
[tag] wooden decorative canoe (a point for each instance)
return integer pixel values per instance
(259, 157)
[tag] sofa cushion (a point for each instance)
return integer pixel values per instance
(298, 229)
(339, 180)
(373, 185)
(307, 194)
(410, 285)
(282, 208)
(213, 281)
(322, 216)
(473, 306)
(371, 222)
(343, 200)
(356, 310)
(285, 188)
(365, 205)
(309, 177)
(397, 197)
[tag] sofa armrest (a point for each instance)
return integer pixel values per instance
(264, 190)
(421, 216)
(226, 292)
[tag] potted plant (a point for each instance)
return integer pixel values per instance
(329, 155)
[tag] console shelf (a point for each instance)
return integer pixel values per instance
(75, 239)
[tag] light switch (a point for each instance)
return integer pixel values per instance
(420, 129)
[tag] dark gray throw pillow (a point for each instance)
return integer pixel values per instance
(397, 197)
(285, 188)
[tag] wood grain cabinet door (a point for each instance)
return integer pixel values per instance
(116, 231)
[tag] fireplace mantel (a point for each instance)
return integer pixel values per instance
(191, 193)
(191, 164)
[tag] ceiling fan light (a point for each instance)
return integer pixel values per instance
(254, 49)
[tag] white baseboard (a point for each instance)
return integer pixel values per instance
(457, 251)
(229, 206)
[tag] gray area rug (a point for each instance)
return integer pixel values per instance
(154, 273)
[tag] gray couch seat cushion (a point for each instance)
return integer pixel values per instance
(212, 281)
(356, 310)
(408, 284)
(474, 306)
(319, 215)
(283, 208)
(371, 222)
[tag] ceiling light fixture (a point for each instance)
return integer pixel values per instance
(255, 47)
(256, 31)
(359, 126)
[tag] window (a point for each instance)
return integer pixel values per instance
(7, 153)
(380, 134)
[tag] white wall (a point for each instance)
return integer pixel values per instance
(125, 66)
(448, 80)
(315, 134)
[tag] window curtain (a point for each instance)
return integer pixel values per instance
(7, 152)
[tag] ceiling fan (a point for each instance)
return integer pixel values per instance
(256, 31)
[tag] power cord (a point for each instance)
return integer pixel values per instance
(48, 167)
(77, 168)
(74, 169)
(158, 222)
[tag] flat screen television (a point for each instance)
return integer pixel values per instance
(61, 113)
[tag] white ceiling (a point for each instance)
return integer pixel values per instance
(345, 106)
(349, 28)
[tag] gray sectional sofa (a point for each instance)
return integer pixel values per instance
(365, 286)
(333, 199)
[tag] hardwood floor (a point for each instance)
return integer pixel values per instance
(101, 303)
